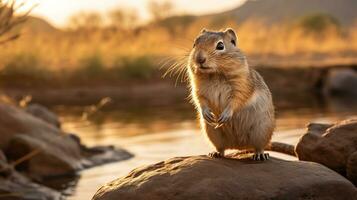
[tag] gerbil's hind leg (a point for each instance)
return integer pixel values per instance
(260, 156)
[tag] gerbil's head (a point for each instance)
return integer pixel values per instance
(216, 52)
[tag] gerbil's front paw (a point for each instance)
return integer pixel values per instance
(208, 115)
(225, 117)
(215, 154)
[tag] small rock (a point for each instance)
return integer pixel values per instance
(48, 160)
(2, 157)
(201, 177)
(18, 187)
(333, 145)
(43, 113)
(5, 169)
(341, 82)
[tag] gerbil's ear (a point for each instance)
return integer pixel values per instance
(204, 30)
(232, 34)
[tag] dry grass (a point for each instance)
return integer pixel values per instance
(135, 53)
(9, 19)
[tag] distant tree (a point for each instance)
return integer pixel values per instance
(123, 18)
(9, 20)
(160, 9)
(86, 21)
(318, 23)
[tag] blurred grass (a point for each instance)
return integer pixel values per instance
(106, 54)
(122, 68)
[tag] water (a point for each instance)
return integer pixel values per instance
(156, 133)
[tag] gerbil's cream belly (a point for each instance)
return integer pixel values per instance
(217, 95)
(251, 127)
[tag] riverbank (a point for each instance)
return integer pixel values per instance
(290, 86)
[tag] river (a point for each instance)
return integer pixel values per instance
(156, 133)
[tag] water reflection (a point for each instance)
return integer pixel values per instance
(114, 123)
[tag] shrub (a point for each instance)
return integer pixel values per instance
(318, 23)
(24, 65)
(24, 70)
(91, 66)
(137, 68)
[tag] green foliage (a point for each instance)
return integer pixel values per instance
(24, 65)
(134, 68)
(94, 69)
(92, 66)
(318, 23)
(24, 70)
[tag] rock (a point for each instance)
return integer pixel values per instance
(14, 185)
(18, 187)
(55, 152)
(2, 157)
(5, 169)
(201, 177)
(23, 133)
(43, 113)
(352, 168)
(341, 82)
(49, 159)
(333, 145)
(15, 121)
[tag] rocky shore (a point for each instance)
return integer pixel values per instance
(33, 148)
(326, 170)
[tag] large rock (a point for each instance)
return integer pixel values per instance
(201, 177)
(52, 152)
(333, 145)
(15, 121)
(43, 113)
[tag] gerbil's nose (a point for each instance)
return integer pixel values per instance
(201, 59)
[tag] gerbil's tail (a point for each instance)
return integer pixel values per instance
(282, 148)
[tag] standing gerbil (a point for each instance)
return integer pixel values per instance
(234, 103)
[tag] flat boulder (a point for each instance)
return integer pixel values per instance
(333, 145)
(201, 177)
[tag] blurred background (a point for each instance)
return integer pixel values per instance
(113, 70)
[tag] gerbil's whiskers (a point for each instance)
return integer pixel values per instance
(176, 66)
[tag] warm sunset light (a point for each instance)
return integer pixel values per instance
(58, 12)
(178, 99)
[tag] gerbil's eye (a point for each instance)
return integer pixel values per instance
(220, 46)
(233, 42)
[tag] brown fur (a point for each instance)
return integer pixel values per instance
(223, 84)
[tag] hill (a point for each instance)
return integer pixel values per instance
(37, 24)
(273, 11)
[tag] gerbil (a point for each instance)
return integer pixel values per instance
(234, 103)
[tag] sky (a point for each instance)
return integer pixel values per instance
(58, 12)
